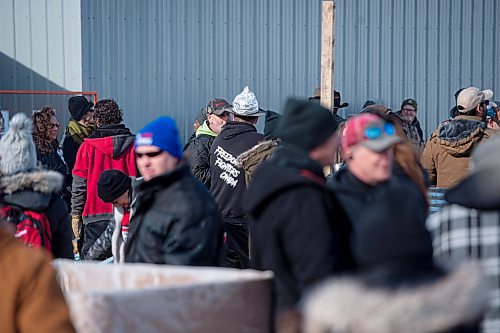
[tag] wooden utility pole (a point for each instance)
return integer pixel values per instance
(327, 61)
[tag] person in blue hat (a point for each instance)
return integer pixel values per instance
(176, 221)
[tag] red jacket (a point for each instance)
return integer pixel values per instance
(94, 156)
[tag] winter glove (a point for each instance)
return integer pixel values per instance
(76, 225)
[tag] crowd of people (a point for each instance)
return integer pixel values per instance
(338, 209)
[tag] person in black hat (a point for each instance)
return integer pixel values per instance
(298, 228)
(115, 187)
(79, 127)
(336, 103)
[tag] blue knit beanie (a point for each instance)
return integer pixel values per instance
(162, 133)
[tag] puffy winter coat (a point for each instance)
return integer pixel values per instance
(176, 222)
(38, 191)
(447, 153)
(197, 151)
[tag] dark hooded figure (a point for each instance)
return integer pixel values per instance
(399, 287)
(298, 229)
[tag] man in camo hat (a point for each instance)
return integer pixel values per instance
(228, 179)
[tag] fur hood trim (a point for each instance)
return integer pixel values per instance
(38, 181)
(459, 135)
(254, 153)
(346, 305)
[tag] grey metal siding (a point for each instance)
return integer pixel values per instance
(40, 49)
(170, 57)
(42, 37)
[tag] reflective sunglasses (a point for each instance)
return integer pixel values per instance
(375, 132)
(151, 154)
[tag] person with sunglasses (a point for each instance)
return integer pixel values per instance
(176, 221)
(368, 145)
(45, 131)
(447, 153)
(48, 150)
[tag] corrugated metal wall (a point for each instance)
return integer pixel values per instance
(170, 57)
(389, 50)
(40, 44)
(40, 49)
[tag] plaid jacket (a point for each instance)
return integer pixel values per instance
(460, 233)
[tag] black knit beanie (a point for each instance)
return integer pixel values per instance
(306, 124)
(78, 106)
(409, 101)
(112, 184)
(271, 125)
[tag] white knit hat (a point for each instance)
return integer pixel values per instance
(17, 149)
(245, 104)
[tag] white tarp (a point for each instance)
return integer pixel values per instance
(159, 298)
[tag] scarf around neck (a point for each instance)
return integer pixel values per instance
(78, 131)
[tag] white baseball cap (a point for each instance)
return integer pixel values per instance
(471, 97)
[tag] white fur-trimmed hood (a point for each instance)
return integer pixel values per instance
(346, 305)
(38, 180)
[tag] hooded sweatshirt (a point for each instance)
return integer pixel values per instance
(109, 147)
(197, 151)
(228, 178)
(447, 153)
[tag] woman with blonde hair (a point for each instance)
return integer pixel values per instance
(407, 163)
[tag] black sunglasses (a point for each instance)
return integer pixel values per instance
(152, 154)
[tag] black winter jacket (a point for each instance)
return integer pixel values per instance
(357, 197)
(53, 161)
(197, 151)
(298, 228)
(37, 191)
(228, 178)
(176, 222)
